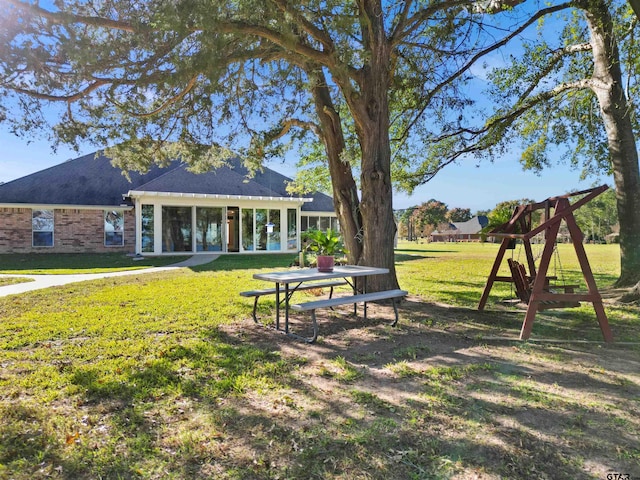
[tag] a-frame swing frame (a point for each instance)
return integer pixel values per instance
(520, 227)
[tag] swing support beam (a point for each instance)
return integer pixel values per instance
(557, 209)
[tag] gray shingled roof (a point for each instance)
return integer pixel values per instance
(92, 180)
(87, 180)
(221, 181)
(469, 227)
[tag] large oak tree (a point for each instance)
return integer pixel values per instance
(206, 79)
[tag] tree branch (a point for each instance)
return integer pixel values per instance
(555, 59)
(169, 102)
(511, 116)
(402, 20)
(63, 98)
(495, 6)
(323, 58)
(427, 99)
(315, 33)
(480, 142)
(61, 18)
(418, 19)
(295, 122)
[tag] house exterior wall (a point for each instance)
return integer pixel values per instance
(76, 230)
(15, 230)
(81, 229)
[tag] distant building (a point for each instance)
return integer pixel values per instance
(468, 231)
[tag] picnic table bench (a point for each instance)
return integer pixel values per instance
(272, 291)
(346, 300)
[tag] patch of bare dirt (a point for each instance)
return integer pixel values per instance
(621, 295)
(541, 409)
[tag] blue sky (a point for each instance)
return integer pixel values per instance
(463, 185)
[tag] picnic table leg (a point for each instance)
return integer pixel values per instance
(315, 327)
(255, 307)
(277, 306)
(354, 286)
(314, 337)
(395, 310)
(364, 290)
(286, 308)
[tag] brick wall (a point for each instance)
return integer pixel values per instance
(75, 231)
(15, 229)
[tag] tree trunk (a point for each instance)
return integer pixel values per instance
(370, 110)
(608, 87)
(379, 227)
(345, 190)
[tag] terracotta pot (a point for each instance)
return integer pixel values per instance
(325, 263)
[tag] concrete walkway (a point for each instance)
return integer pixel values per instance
(46, 281)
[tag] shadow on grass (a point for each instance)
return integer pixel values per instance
(247, 262)
(422, 250)
(64, 263)
(400, 257)
(254, 404)
(569, 324)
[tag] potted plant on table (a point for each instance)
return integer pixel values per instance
(325, 245)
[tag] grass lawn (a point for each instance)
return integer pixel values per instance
(68, 263)
(13, 280)
(165, 376)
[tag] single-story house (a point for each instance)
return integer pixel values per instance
(87, 205)
(468, 231)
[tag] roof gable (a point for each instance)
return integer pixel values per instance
(87, 180)
(221, 181)
(92, 180)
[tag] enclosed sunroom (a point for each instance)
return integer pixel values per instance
(206, 223)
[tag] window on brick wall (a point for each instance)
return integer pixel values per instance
(113, 228)
(42, 228)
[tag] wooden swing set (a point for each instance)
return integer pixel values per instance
(534, 288)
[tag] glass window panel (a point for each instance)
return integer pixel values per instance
(304, 223)
(147, 228)
(43, 239)
(176, 229)
(313, 223)
(335, 226)
(42, 222)
(247, 229)
(113, 228)
(261, 229)
(292, 229)
(208, 229)
(324, 224)
(233, 229)
(273, 237)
